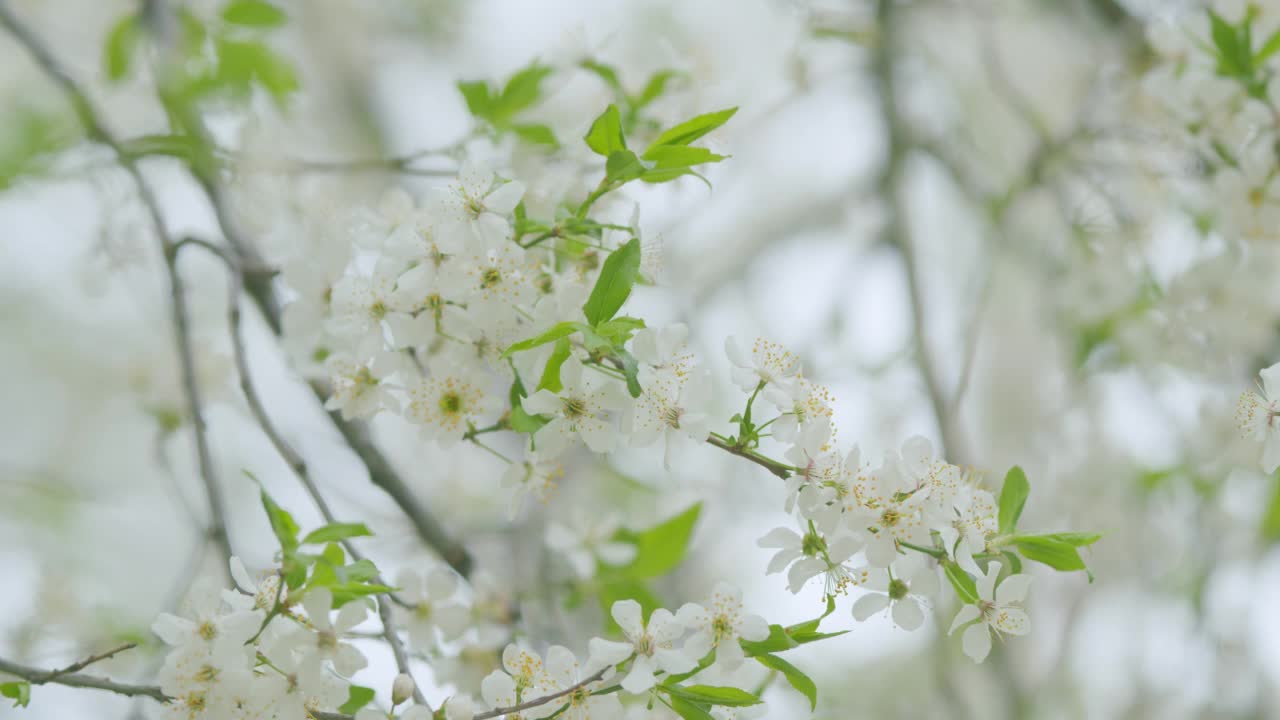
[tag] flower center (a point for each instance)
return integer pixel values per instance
(208, 630)
(450, 403)
(812, 544)
(890, 517)
(897, 589)
(645, 645)
(490, 277)
(574, 407)
(722, 626)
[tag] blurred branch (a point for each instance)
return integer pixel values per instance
(71, 677)
(286, 451)
(97, 131)
(259, 287)
(889, 187)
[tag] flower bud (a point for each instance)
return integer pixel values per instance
(402, 689)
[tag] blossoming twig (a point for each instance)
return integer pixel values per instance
(291, 456)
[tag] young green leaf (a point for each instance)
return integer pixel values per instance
(690, 130)
(477, 97)
(714, 695)
(357, 698)
(606, 73)
(690, 710)
(798, 679)
(253, 13)
(622, 166)
(282, 524)
(551, 374)
(966, 589)
(19, 691)
(1013, 496)
(614, 284)
(1057, 554)
(522, 90)
(630, 372)
(679, 156)
(122, 42)
(536, 134)
(555, 332)
(662, 547)
(779, 639)
(605, 136)
(654, 88)
(334, 532)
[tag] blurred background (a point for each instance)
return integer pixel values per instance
(972, 221)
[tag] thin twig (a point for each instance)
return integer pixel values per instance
(78, 666)
(539, 701)
(777, 468)
(70, 677)
(97, 131)
(291, 457)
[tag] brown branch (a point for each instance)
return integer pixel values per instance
(536, 702)
(97, 131)
(71, 677)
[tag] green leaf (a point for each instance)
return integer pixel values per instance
(689, 710)
(779, 639)
(522, 90)
(1235, 56)
(809, 626)
(19, 691)
(357, 698)
(1268, 49)
(690, 130)
(966, 589)
(714, 695)
(555, 332)
(282, 524)
(804, 638)
(1013, 496)
(1270, 526)
(346, 592)
(680, 156)
(536, 134)
(519, 420)
(798, 679)
(253, 13)
(605, 136)
(605, 73)
(612, 288)
(619, 329)
(1015, 562)
(477, 96)
(623, 165)
(240, 63)
(122, 42)
(1057, 554)
(29, 138)
(334, 532)
(662, 547)
(631, 372)
(654, 88)
(1075, 539)
(616, 585)
(551, 374)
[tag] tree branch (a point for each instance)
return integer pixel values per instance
(71, 677)
(291, 457)
(97, 131)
